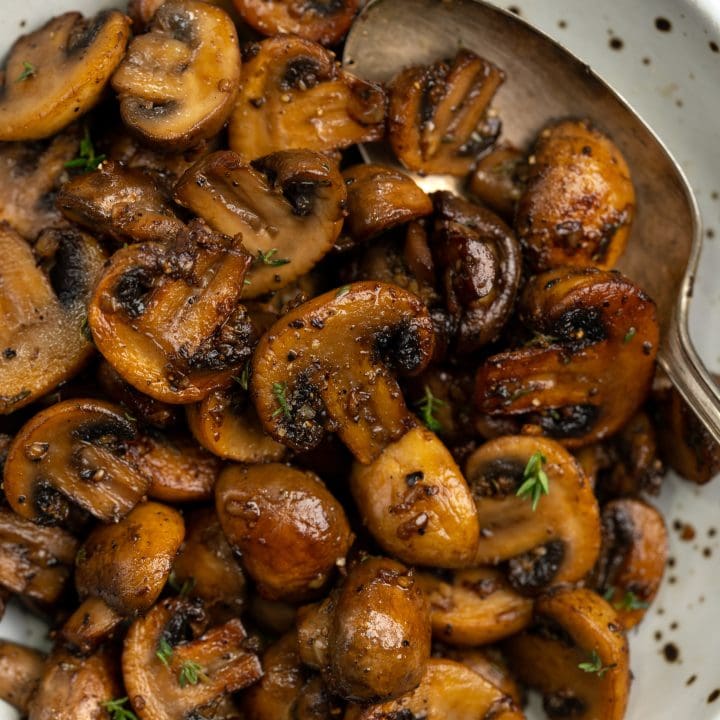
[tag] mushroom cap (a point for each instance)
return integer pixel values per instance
(20, 671)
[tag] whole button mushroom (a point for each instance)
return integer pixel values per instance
(59, 72)
(290, 531)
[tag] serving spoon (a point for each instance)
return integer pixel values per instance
(544, 81)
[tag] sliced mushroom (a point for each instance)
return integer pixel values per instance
(416, 503)
(632, 560)
(123, 203)
(474, 607)
(288, 207)
(57, 73)
(35, 562)
(371, 638)
(20, 671)
(226, 423)
(294, 95)
(290, 530)
(554, 539)
(495, 180)
(166, 316)
(178, 82)
(448, 691)
(589, 369)
(42, 314)
(121, 570)
(324, 21)
(327, 365)
(73, 453)
(576, 655)
(379, 199)
(579, 201)
(169, 689)
(439, 119)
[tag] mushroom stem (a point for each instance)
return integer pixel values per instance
(93, 621)
(20, 671)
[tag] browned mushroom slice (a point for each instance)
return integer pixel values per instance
(480, 262)
(579, 201)
(380, 198)
(290, 531)
(324, 21)
(43, 314)
(371, 638)
(495, 180)
(536, 511)
(226, 424)
(576, 655)
(328, 364)
(56, 74)
(30, 176)
(438, 118)
(167, 677)
(416, 503)
(590, 365)
(20, 671)
(474, 607)
(35, 562)
(122, 203)
(166, 316)
(288, 208)
(121, 570)
(294, 95)
(632, 560)
(178, 82)
(448, 691)
(73, 453)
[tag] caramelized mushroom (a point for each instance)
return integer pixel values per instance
(288, 208)
(73, 452)
(448, 691)
(545, 540)
(632, 560)
(294, 95)
(576, 655)
(416, 503)
(290, 530)
(178, 82)
(166, 316)
(579, 202)
(57, 73)
(371, 638)
(495, 180)
(324, 21)
(20, 671)
(198, 668)
(328, 364)
(474, 607)
(438, 118)
(590, 368)
(42, 338)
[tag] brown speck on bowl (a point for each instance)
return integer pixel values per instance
(663, 24)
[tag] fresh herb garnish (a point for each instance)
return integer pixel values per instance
(629, 335)
(183, 589)
(117, 711)
(344, 290)
(164, 652)
(243, 380)
(87, 160)
(85, 329)
(631, 601)
(595, 665)
(267, 258)
(29, 70)
(280, 393)
(535, 480)
(191, 673)
(247, 282)
(427, 407)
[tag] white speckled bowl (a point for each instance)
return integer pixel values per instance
(672, 79)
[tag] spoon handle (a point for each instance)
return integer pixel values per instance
(688, 374)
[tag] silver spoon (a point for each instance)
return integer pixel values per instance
(544, 82)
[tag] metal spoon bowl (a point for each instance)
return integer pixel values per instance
(545, 82)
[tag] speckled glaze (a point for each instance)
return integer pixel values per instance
(663, 56)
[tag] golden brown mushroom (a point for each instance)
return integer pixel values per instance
(328, 365)
(546, 539)
(43, 313)
(495, 180)
(590, 365)
(576, 655)
(416, 503)
(57, 73)
(371, 638)
(579, 202)
(438, 119)
(73, 452)
(20, 671)
(178, 82)
(172, 666)
(294, 95)
(288, 207)
(290, 531)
